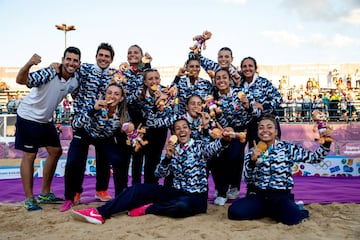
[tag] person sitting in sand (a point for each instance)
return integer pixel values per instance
(188, 196)
(268, 176)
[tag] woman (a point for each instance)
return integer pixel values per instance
(135, 80)
(268, 98)
(199, 120)
(268, 175)
(224, 60)
(156, 126)
(237, 113)
(188, 196)
(100, 125)
(189, 83)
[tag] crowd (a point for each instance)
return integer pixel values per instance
(128, 115)
(338, 103)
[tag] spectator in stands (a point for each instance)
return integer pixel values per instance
(290, 108)
(12, 105)
(326, 103)
(34, 123)
(351, 107)
(334, 105)
(307, 104)
(66, 109)
(298, 107)
(357, 78)
(317, 103)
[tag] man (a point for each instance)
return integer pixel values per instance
(93, 81)
(34, 125)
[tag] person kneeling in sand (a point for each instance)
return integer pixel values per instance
(186, 159)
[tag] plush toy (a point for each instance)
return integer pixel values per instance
(211, 73)
(118, 75)
(165, 97)
(200, 42)
(134, 136)
(212, 105)
(219, 132)
(321, 125)
(238, 135)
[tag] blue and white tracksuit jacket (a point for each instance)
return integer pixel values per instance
(189, 165)
(201, 87)
(234, 114)
(273, 171)
(262, 91)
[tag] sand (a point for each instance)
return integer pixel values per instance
(329, 221)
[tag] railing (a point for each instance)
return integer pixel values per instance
(294, 113)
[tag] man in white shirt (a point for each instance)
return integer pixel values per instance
(34, 124)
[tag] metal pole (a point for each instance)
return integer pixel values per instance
(65, 37)
(65, 28)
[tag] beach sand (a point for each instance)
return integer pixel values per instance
(328, 221)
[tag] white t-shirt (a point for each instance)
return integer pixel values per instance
(48, 90)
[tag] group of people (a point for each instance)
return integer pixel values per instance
(210, 121)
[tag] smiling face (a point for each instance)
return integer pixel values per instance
(134, 55)
(248, 68)
(222, 81)
(182, 131)
(193, 67)
(103, 58)
(267, 131)
(70, 63)
(225, 58)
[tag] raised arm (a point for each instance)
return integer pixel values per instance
(22, 76)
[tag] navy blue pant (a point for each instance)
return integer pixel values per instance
(167, 201)
(107, 153)
(151, 153)
(279, 206)
(226, 169)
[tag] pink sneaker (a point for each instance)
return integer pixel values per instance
(67, 204)
(90, 215)
(140, 211)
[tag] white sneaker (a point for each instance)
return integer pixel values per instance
(233, 193)
(220, 201)
(216, 193)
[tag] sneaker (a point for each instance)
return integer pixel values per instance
(90, 215)
(103, 196)
(67, 204)
(233, 193)
(220, 201)
(77, 198)
(31, 204)
(49, 198)
(140, 211)
(300, 204)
